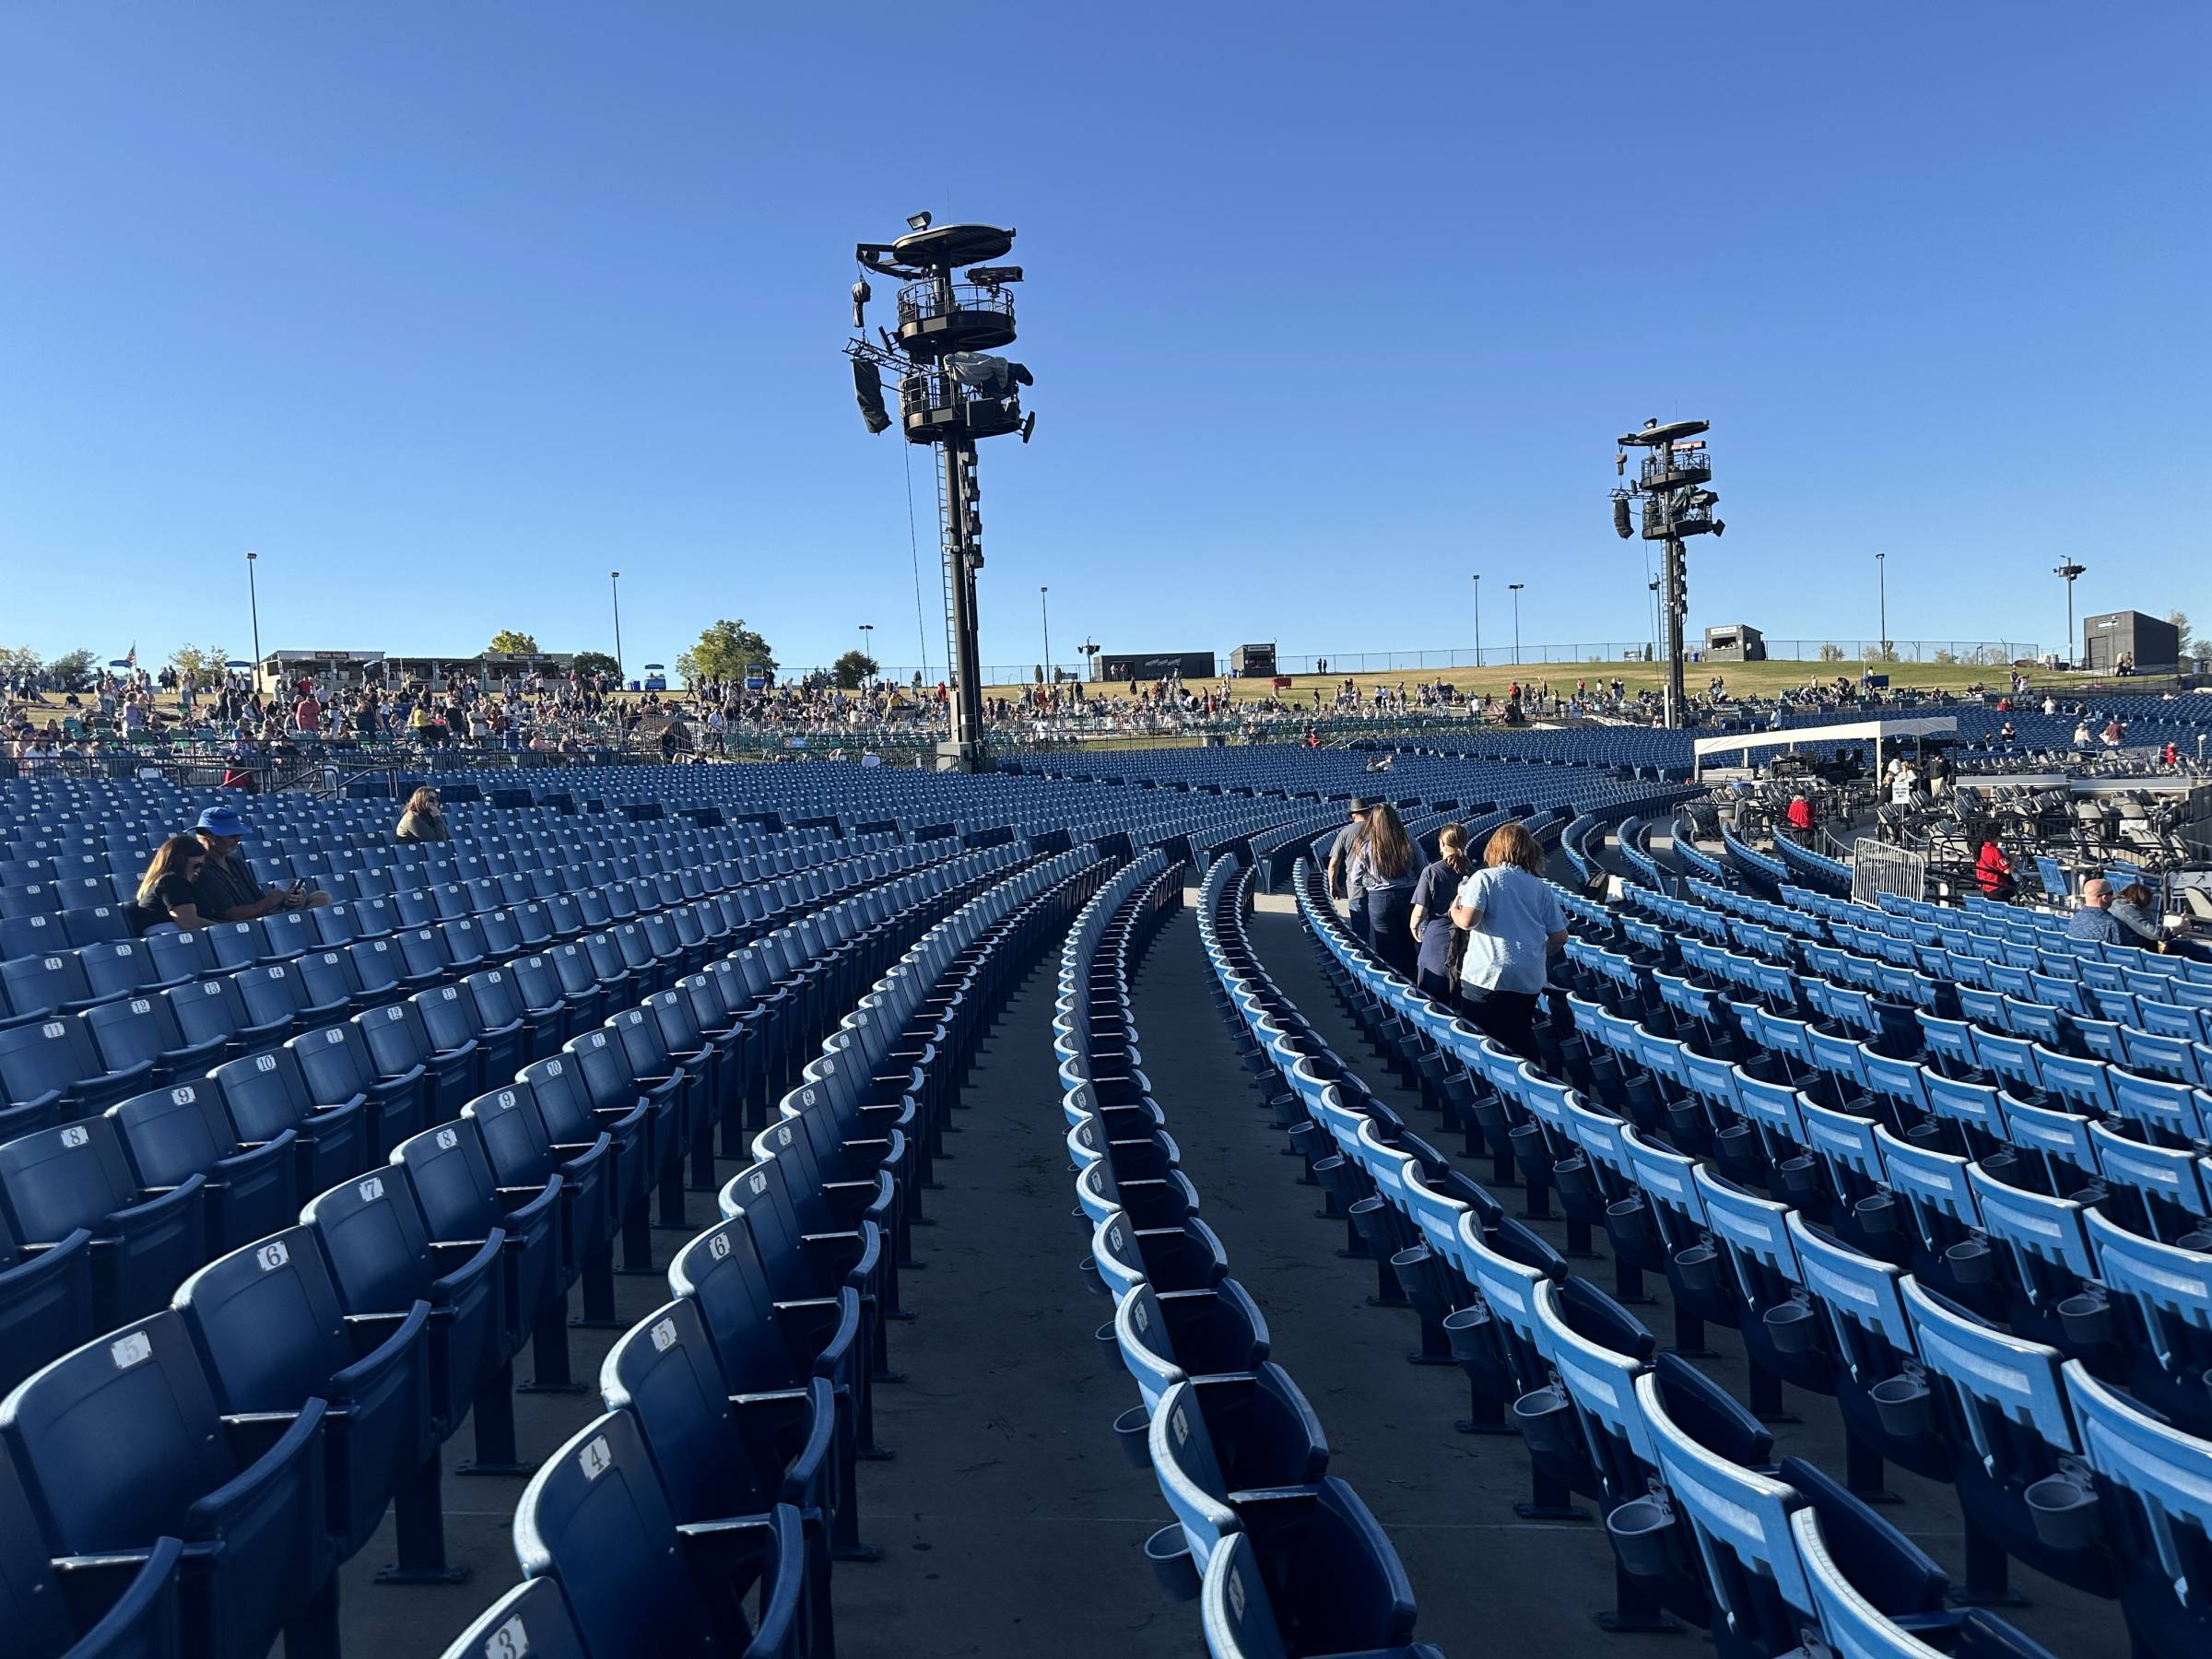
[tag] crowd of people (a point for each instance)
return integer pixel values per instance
(1477, 937)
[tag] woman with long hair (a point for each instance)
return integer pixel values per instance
(1394, 869)
(166, 897)
(424, 819)
(1432, 921)
(1513, 922)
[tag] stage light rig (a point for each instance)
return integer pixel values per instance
(1671, 482)
(953, 391)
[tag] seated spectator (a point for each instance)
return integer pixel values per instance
(1993, 871)
(2132, 909)
(228, 889)
(2094, 919)
(424, 818)
(166, 897)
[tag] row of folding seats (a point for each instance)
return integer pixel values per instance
(737, 1413)
(425, 1332)
(306, 965)
(42, 982)
(1284, 1557)
(1701, 1527)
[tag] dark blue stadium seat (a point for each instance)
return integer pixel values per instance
(58, 1181)
(270, 1332)
(1316, 1580)
(384, 1261)
(595, 1518)
(170, 1134)
(724, 1452)
(461, 1199)
(266, 1094)
(120, 1444)
(126, 1610)
(531, 1621)
(336, 1068)
(522, 1152)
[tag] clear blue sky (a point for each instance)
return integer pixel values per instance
(448, 308)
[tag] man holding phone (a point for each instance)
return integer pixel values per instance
(228, 889)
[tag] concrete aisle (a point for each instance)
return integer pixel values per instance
(1479, 1573)
(1009, 1521)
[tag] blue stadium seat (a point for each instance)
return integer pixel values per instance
(266, 1094)
(270, 1332)
(722, 1453)
(134, 1604)
(59, 1181)
(121, 1445)
(531, 1621)
(170, 1134)
(384, 1262)
(595, 1518)
(461, 1199)
(2154, 1487)
(1266, 1596)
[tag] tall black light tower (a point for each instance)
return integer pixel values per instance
(953, 392)
(2069, 573)
(1671, 483)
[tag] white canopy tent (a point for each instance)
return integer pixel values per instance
(1849, 731)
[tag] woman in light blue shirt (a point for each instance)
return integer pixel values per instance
(1513, 923)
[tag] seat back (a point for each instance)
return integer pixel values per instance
(665, 1373)
(531, 1621)
(595, 1519)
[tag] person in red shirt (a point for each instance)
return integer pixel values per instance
(1993, 872)
(307, 713)
(1800, 818)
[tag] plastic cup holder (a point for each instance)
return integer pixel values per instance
(1927, 1133)
(1699, 1267)
(2063, 1511)
(1110, 1346)
(1875, 1214)
(1132, 1432)
(1629, 1218)
(1468, 1331)
(1168, 1553)
(1644, 1536)
(1971, 1262)
(1904, 1406)
(1801, 1177)
(2087, 1319)
(1571, 1176)
(1789, 1327)
(1546, 1420)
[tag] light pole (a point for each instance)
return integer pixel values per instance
(1881, 589)
(253, 606)
(614, 583)
(1044, 612)
(1478, 618)
(865, 630)
(2067, 572)
(1515, 587)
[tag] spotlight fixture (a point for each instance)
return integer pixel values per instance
(993, 276)
(917, 222)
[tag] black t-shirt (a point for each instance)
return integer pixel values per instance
(226, 886)
(172, 890)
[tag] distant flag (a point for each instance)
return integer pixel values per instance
(131, 656)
